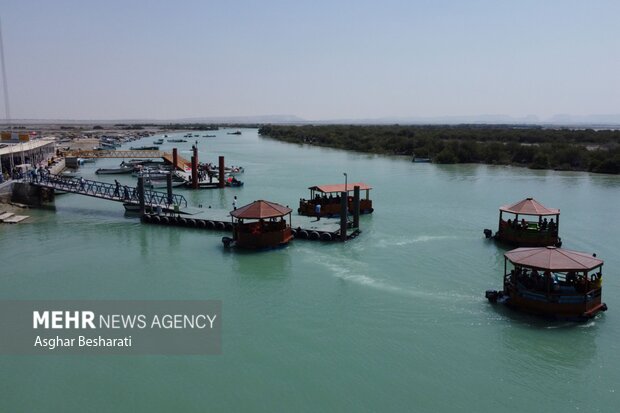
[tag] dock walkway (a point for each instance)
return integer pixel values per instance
(303, 227)
(108, 191)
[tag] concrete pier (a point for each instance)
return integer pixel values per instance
(31, 195)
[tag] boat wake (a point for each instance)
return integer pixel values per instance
(403, 241)
(352, 271)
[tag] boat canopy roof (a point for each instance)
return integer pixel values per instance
(529, 206)
(261, 209)
(329, 189)
(553, 259)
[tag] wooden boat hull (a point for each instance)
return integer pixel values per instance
(528, 238)
(263, 241)
(573, 308)
(332, 209)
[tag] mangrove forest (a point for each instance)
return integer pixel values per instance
(535, 147)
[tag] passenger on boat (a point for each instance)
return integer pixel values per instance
(544, 224)
(551, 225)
(523, 223)
(317, 211)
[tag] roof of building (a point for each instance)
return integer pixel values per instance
(19, 147)
(553, 259)
(339, 187)
(261, 209)
(529, 206)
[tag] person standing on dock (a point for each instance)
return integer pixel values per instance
(317, 211)
(82, 182)
(235, 202)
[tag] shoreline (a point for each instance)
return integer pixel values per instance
(536, 148)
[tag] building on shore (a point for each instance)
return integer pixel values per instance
(19, 149)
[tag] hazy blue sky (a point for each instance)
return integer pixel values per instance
(315, 59)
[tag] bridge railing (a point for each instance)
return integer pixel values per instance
(106, 190)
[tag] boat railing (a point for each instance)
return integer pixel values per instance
(555, 291)
(531, 227)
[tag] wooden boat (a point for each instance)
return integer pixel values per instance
(330, 205)
(234, 133)
(158, 142)
(551, 282)
(176, 140)
(110, 171)
(260, 225)
(144, 148)
(208, 136)
(527, 232)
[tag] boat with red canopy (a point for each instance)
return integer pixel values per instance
(528, 225)
(328, 197)
(260, 225)
(552, 282)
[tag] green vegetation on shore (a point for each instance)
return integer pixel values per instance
(531, 146)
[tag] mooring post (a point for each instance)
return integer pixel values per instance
(195, 169)
(343, 216)
(141, 195)
(175, 159)
(169, 187)
(221, 172)
(356, 206)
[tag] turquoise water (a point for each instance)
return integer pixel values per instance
(394, 320)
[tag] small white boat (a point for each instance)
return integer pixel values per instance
(110, 171)
(69, 174)
(157, 183)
